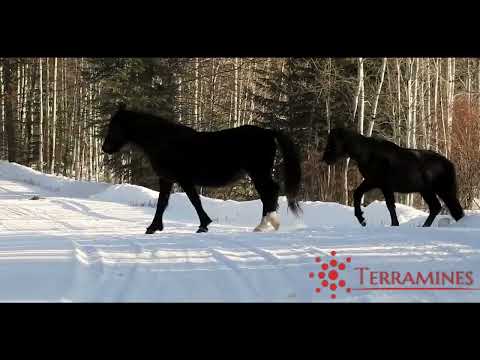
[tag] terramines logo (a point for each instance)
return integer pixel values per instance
(431, 280)
(334, 270)
(331, 274)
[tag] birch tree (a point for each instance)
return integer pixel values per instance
(9, 69)
(377, 97)
(40, 123)
(54, 118)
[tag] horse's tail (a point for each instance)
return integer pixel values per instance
(449, 195)
(292, 170)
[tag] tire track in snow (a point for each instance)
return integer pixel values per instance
(283, 268)
(230, 264)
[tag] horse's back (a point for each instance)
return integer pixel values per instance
(417, 170)
(220, 157)
(237, 141)
(406, 170)
(237, 132)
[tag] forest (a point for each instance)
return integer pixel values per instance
(54, 112)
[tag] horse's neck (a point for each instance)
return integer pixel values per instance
(147, 132)
(357, 148)
(143, 131)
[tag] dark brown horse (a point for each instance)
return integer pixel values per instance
(179, 154)
(391, 168)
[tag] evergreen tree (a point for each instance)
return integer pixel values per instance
(143, 85)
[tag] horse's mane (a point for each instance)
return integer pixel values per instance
(383, 140)
(375, 139)
(152, 120)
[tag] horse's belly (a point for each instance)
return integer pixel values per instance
(166, 173)
(217, 178)
(407, 183)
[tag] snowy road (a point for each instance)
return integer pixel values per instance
(78, 249)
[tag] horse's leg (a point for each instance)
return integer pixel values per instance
(268, 191)
(433, 205)
(162, 203)
(453, 205)
(197, 204)
(390, 201)
(357, 198)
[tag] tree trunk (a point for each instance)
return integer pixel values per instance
(29, 153)
(2, 114)
(410, 102)
(40, 122)
(22, 81)
(469, 85)
(478, 85)
(196, 115)
(359, 89)
(329, 124)
(392, 102)
(429, 109)
(399, 102)
(377, 97)
(9, 69)
(435, 102)
(450, 101)
(235, 96)
(46, 155)
(54, 118)
(252, 101)
(414, 110)
(422, 105)
(444, 126)
(90, 139)
(362, 96)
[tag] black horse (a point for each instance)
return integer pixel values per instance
(391, 168)
(179, 154)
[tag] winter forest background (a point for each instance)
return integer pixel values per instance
(53, 112)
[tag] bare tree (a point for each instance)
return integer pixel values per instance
(54, 119)
(377, 97)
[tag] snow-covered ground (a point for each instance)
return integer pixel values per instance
(85, 241)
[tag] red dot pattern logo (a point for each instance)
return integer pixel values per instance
(330, 275)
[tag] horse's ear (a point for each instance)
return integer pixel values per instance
(121, 106)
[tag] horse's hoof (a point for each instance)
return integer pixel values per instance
(274, 220)
(152, 230)
(276, 225)
(202, 229)
(262, 228)
(363, 223)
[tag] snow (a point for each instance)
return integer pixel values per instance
(60, 185)
(85, 241)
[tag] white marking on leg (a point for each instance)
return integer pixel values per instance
(263, 226)
(273, 218)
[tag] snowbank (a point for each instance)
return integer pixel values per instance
(229, 212)
(72, 249)
(60, 185)
(248, 213)
(128, 194)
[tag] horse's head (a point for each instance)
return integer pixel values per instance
(117, 135)
(335, 148)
